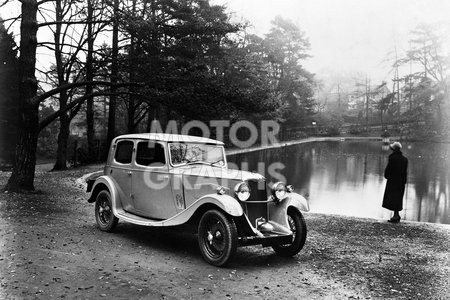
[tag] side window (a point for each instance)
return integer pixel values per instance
(150, 154)
(124, 152)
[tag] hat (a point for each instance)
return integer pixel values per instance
(395, 146)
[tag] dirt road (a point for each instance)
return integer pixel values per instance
(50, 248)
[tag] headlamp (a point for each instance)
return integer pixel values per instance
(242, 191)
(279, 191)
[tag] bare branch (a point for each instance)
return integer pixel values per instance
(74, 112)
(141, 117)
(12, 23)
(4, 3)
(47, 46)
(71, 105)
(59, 89)
(10, 19)
(44, 1)
(71, 22)
(142, 110)
(45, 13)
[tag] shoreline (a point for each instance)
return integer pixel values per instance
(409, 223)
(98, 168)
(235, 151)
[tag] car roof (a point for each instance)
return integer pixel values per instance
(168, 137)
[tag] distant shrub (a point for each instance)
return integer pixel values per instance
(355, 129)
(301, 135)
(329, 131)
(385, 134)
(332, 131)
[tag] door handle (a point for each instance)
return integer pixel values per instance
(129, 173)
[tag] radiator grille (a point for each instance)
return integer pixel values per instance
(258, 193)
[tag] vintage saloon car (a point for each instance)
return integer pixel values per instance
(169, 180)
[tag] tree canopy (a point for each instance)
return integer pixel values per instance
(166, 59)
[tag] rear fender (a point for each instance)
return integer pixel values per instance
(278, 210)
(102, 183)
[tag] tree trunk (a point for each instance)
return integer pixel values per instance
(150, 118)
(92, 156)
(22, 177)
(132, 71)
(63, 137)
(64, 120)
(114, 74)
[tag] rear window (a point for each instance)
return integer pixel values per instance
(124, 152)
(150, 154)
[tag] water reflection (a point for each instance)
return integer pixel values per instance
(346, 177)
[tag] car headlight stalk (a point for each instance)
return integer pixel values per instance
(242, 191)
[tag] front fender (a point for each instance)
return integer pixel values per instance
(278, 210)
(297, 201)
(227, 203)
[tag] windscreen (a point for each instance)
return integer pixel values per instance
(191, 153)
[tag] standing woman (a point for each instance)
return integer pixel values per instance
(395, 173)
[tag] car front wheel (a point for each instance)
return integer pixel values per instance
(298, 227)
(104, 216)
(217, 237)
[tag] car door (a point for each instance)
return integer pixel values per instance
(152, 192)
(121, 171)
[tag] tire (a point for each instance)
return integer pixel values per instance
(298, 226)
(106, 221)
(217, 237)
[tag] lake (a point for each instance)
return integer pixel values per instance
(346, 177)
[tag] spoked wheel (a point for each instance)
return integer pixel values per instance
(298, 227)
(104, 216)
(217, 237)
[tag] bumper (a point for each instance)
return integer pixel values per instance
(266, 240)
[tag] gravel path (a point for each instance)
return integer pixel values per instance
(50, 248)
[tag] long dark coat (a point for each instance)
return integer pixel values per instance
(395, 173)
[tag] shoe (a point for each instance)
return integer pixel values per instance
(394, 220)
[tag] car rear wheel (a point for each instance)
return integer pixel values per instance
(104, 216)
(217, 237)
(298, 227)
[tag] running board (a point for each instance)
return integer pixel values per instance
(128, 217)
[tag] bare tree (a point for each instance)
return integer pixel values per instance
(22, 177)
(89, 77)
(429, 54)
